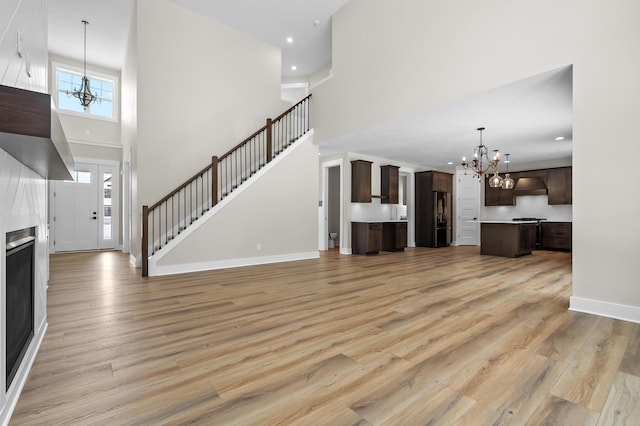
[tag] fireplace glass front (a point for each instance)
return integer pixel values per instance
(19, 297)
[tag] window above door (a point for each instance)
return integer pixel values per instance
(68, 78)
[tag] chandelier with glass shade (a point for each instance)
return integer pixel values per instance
(482, 165)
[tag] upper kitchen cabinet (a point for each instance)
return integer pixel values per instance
(559, 185)
(442, 182)
(389, 184)
(360, 181)
(499, 196)
(435, 181)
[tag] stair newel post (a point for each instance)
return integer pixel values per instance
(214, 180)
(145, 241)
(269, 140)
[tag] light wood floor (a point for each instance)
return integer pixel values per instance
(429, 336)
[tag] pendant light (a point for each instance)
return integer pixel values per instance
(507, 182)
(84, 94)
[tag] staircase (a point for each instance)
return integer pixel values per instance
(174, 213)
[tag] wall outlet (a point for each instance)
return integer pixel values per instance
(259, 246)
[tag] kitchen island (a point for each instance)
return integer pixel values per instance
(507, 238)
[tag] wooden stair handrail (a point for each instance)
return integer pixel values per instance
(184, 185)
(213, 167)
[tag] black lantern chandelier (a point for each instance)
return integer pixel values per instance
(482, 165)
(84, 94)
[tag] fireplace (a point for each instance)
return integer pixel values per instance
(20, 255)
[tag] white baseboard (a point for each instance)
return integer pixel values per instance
(605, 309)
(345, 250)
(155, 269)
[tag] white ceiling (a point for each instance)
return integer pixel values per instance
(107, 32)
(272, 21)
(521, 118)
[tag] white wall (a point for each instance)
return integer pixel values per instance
(26, 17)
(529, 206)
(278, 211)
(23, 194)
(202, 88)
(391, 59)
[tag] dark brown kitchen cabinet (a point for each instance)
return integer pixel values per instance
(507, 239)
(394, 236)
(433, 208)
(366, 237)
(499, 196)
(559, 185)
(556, 235)
(441, 182)
(389, 184)
(360, 181)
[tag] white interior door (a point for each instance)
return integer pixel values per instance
(76, 210)
(468, 190)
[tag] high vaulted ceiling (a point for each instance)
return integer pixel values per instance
(522, 118)
(272, 21)
(107, 32)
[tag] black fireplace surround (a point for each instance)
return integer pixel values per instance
(20, 260)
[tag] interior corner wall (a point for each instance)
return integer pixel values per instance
(278, 211)
(129, 135)
(391, 59)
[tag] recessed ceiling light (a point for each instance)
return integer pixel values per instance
(450, 163)
(289, 40)
(316, 23)
(560, 138)
(293, 68)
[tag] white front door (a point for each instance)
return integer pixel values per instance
(76, 210)
(468, 190)
(85, 210)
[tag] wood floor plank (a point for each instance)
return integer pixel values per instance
(588, 378)
(445, 406)
(623, 404)
(400, 338)
(631, 361)
(514, 398)
(556, 411)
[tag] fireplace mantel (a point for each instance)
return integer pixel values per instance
(30, 130)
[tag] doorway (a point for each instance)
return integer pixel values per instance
(85, 209)
(332, 210)
(468, 209)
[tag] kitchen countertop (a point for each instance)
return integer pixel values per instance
(379, 221)
(506, 222)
